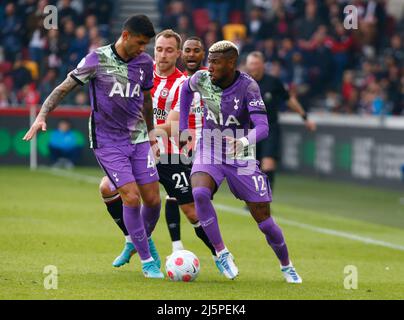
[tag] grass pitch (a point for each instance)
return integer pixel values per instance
(51, 219)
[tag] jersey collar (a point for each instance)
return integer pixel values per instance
(117, 55)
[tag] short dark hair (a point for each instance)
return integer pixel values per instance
(195, 38)
(139, 24)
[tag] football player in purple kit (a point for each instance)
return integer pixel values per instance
(233, 105)
(121, 76)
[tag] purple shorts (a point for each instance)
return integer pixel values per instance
(130, 163)
(246, 183)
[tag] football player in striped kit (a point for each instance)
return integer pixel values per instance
(193, 55)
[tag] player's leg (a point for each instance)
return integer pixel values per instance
(252, 187)
(150, 211)
(173, 220)
(133, 219)
(176, 180)
(113, 202)
(116, 163)
(190, 212)
(203, 187)
(146, 175)
(274, 236)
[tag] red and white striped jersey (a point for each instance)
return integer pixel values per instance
(196, 113)
(165, 95)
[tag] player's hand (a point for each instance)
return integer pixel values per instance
(156, 150)
(185, 139)
(234, 146)
(39, 124)
(310, 125)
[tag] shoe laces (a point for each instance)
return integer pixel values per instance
(223, 260)
(292, 272)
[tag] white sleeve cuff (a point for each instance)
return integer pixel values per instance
(244, 141)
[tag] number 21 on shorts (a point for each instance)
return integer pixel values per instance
(178, 177)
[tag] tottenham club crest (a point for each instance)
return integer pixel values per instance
(164, 93)
(236, 101)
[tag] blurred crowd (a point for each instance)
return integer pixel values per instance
(34, 60)
(328, 66)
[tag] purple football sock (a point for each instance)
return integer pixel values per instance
(207, 216)
(134, 224)
(150, 217)
(275, 239)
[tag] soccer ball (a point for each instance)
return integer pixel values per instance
(182, 265)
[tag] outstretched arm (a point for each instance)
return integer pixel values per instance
(295, 105)
(50, 104)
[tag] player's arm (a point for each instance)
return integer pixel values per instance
(171, 124)
(258, 118)
(260, 130)
(147, 112)
(186, 97)
(50, 104)
(295, 105)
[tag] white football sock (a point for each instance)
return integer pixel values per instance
(177, 245)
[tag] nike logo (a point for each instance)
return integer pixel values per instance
(153, 174)
(112, 71)
(263, 194)
(193, 267)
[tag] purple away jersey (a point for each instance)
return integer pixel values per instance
(116, 93)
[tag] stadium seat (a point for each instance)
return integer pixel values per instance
(32, 66)
(5, 67)
(234, 31)
(9, 83)
(201, 21)
(236, 17)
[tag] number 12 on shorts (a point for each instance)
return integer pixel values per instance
(259, 181)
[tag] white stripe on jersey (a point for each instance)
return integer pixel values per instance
(157, 93)
(166, 97)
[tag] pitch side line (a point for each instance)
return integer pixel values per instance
(71, 175)
(238, 211)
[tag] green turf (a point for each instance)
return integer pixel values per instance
(52, 220)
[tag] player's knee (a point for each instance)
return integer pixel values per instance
(201, 195)
(105, 189)
(190, 212)
(130, 198)
(152, 201)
